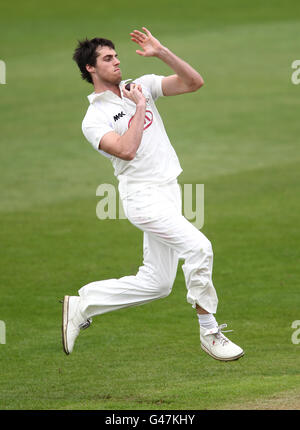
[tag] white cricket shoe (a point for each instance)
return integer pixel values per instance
(72, 322)
(214, 343)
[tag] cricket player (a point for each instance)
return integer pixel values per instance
(124, 125)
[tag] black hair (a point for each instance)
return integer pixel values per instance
(86, 53)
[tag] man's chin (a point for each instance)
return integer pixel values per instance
(119, 79)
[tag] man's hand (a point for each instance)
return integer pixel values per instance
(135, 94)
(150, 45)
(185, 80)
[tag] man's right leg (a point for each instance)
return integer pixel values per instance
(154, 280)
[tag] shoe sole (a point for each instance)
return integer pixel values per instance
(222, 359)
(65, 312)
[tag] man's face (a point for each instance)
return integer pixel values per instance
(107, 67)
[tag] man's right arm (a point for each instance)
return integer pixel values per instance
(125, 146)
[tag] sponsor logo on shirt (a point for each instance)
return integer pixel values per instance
(118, 116)
(148, 119)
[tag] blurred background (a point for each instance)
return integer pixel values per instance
(239, 136)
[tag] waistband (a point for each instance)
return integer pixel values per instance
(127, 187)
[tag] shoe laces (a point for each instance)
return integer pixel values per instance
(218, 333)
(85, 324)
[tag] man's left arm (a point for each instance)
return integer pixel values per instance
(185, 80)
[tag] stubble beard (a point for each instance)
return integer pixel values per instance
(113, 80)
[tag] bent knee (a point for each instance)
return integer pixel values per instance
(164, 287)
(202, 246)
(208, 246)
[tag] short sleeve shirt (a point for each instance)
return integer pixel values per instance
(155, 160)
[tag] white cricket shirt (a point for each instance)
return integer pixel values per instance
(156, 160)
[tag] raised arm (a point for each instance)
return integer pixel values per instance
(185, 80)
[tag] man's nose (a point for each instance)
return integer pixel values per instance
(117, 62)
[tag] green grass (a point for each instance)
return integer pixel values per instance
(238, 135)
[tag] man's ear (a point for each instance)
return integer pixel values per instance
(89, 68)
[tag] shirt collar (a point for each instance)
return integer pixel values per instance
(95, 96)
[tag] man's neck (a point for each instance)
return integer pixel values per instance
(100, 87)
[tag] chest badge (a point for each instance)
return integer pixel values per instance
(148, 119)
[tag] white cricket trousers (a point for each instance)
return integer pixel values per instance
(168, 237)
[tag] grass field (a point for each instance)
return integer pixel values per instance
(239, 136)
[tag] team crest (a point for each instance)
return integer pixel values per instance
(148, 119)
